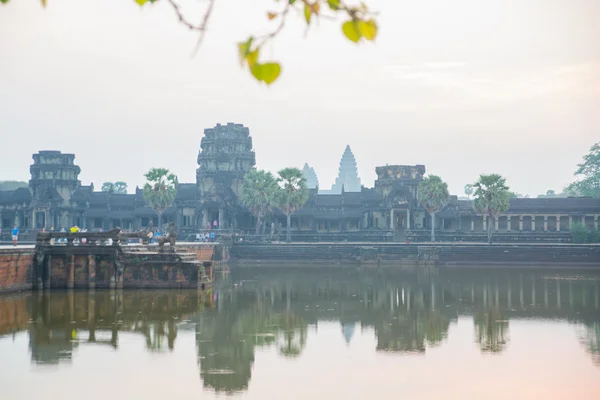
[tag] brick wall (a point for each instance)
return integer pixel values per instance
(16, 268)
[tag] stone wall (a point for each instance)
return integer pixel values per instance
(441, 254)
(16, 269)
(80, 267)
(417, 236)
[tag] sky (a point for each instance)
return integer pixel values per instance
(464, 87)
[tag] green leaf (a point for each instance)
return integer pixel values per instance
(368, 29)
(307, 13)
(4, 1)
(351, 30)
(252, 57)
(244, 49)
(141, 2)
(267, 72)
(334, 4)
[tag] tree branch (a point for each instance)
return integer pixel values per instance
(204, 24)
(200, 28)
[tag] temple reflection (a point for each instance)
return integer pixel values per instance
(276, 308)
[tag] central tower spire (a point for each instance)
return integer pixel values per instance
(347, 175)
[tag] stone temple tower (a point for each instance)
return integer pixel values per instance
(312, 181)
(54, 178)
(347, 175)
(225, 156)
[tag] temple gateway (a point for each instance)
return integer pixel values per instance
(348, 211)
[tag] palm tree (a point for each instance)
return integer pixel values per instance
(258, 194)
(292, 195)
(468, 190)
(433, 195)
(160, 190)
(491, 199)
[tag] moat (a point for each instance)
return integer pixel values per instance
(292, 333)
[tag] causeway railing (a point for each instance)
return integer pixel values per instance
(113, 237)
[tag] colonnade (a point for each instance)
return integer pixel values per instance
(514, 222)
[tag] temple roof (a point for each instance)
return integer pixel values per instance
(352, 198)
(21, 195)
(329, 200)
(122, 200)
(186, 191)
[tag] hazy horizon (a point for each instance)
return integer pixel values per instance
(464, 88)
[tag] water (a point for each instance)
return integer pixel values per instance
(293, 333)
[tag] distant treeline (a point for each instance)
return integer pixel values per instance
(12, 185)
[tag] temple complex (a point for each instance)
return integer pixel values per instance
(389, 211)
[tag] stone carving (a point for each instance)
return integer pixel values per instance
(171, 238)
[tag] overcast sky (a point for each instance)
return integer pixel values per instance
(463, 86)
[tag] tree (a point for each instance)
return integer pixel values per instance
(433, 195)
(12, 185)
(588, 173)
(491, 199)
(160, 190)
(120, 187)
(116, 187)
(515, 195)
(108, 187)
(468, 190)
(292, 195)
(359, 23)
(258, 194)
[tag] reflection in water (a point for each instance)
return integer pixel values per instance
(272, 309)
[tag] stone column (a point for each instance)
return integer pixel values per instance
(205, 220)
(583, 219)
(533, 223)
(558, 223)
(484, 223)
(91, 272)
(408, 219)
(496, 223)
(392, 219)
(472, 224)
(33, 219)
(508, 223)
(520, 223)
(221, 218)
(545, 223)
(70, 272)
(47, 274)
(596, 222)
(570, 221)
